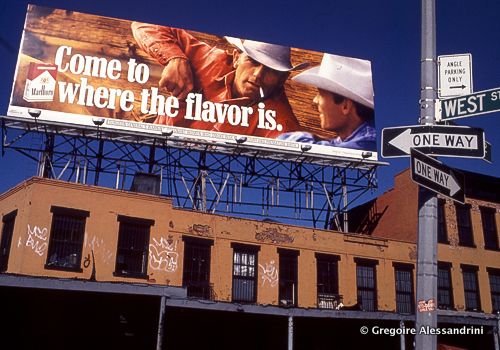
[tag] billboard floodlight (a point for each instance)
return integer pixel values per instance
(35, 113)
(167, 132)
(366, 154)
(241, 139)
(98, 121)
(305, 148)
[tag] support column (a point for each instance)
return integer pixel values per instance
(496, 335)
(402, 340)
(290, 333)
(152, 156)
(161, 323)
(345, 202)
(98, 167)
(46, 168)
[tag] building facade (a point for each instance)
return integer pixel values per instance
(167, 274)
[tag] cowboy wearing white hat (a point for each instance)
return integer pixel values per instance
(344, 101)
(276, 57)
(254, 73)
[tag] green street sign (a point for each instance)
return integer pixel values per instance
(481, 102)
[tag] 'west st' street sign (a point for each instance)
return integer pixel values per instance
(436, 176)
(481, 102)
(455, 75)
(451, 141)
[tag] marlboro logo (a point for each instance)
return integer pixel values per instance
(40, 83)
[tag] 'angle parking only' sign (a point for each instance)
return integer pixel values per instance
(455, 75)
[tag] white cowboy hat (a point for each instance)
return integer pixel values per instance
(345, 76)
(273, 56)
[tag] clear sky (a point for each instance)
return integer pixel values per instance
(386, 32)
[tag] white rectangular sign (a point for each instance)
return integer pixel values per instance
(455, 75)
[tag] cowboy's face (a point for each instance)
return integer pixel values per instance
(333, 116)
(251, 77)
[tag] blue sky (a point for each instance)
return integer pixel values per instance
(387, 32)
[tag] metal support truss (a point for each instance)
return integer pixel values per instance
(240, 182)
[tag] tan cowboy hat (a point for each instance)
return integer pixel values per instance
(276, 57)
(345, 76)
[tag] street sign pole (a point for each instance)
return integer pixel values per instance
(426, 314)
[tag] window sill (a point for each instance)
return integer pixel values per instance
(495, 249)
(244, 302)
(474, 310)
(63, 268)
(449, 308)
(130, 275)
(467, 245)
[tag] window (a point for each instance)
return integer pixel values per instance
(465, 236)
(66, 239)
(366, 281)
(494, 275)
(489, 228)
(445, 291)
(7, 231)
(404, 288)
(245, 273)
(442, 231)
(288, 277)
(328, 280)
(196, 274)
(133, 247)
(471, 288)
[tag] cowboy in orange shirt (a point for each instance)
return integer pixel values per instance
(254, 73)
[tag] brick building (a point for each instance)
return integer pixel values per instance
(88, 264)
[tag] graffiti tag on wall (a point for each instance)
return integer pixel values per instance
(273, 236)
(269, 274)
(163, 254)
(37, 239)
(98, 246)
(201, 230)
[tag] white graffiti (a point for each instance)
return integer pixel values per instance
(37, 239)
(269, 274)
(98, 246)
(163, 255)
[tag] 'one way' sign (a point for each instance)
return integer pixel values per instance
(437, 177)
(452, 141)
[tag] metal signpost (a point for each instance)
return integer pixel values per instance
(482, 102)
(437, 177)
(451, 141)
(427, 200)
(427, 139)
(455, 75)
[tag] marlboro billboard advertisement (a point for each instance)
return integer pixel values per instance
(151, 79)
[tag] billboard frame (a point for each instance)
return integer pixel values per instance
(323, 192)
(225, 144)
(270, 145)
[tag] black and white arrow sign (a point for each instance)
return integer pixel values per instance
(452, 141)
(436, 176)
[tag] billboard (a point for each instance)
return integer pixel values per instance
(159, 80)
